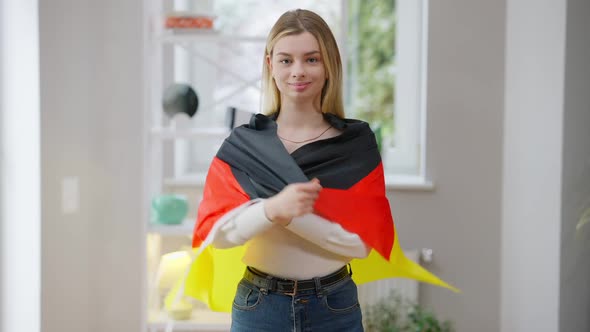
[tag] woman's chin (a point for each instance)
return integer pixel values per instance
(303, 96)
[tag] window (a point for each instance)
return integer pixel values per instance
(382, 44)
(384, 83)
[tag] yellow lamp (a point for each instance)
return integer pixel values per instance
(172, 268)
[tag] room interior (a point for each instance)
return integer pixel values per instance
(507, 166)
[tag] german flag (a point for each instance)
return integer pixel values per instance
(253, 163)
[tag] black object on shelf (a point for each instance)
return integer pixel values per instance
(235, 117)
(230, 117)
(180, 98)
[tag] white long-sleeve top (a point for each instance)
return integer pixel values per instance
(310, 246)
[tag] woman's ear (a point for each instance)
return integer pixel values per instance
(269, 62)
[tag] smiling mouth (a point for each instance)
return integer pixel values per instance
(300, 86)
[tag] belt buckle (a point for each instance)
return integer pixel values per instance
(294, 289)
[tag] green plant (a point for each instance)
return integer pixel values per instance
(584, 219)
(396, 314)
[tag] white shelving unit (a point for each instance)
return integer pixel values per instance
(160, 130)
(202, 321)
(179, 38)
(184, 229)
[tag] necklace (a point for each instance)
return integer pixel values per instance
(307, 140)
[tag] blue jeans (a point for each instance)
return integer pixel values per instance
(333, 308)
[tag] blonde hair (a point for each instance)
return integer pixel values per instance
(293, 23)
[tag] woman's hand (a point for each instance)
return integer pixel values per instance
(293, 201)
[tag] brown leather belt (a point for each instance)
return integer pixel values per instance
(271, 283)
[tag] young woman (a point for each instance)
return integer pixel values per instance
(300, 189)
(287, 242)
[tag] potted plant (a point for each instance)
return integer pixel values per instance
(396, 314)
(584, 219)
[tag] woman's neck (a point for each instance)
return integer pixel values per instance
(300, 115)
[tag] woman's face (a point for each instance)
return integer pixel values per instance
(297, 67)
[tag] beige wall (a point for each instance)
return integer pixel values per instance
(460, 220)
(65, 151)
(91, 106)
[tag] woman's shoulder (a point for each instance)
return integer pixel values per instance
(348, 124)
(259, 124)
(256, 121)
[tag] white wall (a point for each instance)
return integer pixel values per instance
(20, 206)
(91, 92)
(533, 140)
(574, 292)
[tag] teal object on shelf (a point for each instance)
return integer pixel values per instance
(169, 209)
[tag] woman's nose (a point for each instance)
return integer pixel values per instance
(298, 70)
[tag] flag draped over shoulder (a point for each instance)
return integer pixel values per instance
(253, 163)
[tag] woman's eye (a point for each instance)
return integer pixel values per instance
(313, 60)
(285, 61)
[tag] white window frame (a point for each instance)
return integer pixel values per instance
(405, 162)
